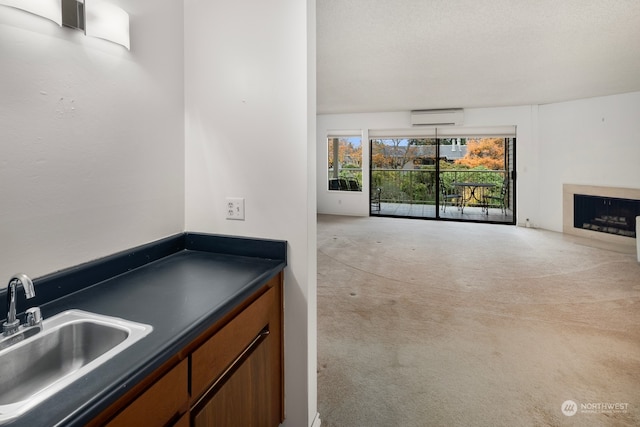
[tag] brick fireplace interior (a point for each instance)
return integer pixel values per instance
(606, 214)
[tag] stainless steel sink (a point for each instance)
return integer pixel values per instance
(71, 344)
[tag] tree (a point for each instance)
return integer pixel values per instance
(379, 159)
(484, 152)
(350, 155)
(392, 153)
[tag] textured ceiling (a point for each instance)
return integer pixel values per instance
(399, 55)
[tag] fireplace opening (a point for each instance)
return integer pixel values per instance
(606, 214)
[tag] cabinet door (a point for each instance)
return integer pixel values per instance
(210, 360)
(245, 397)
(166, 399)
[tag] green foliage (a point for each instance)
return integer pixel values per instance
(351, 174)
(419, 186)
(403, 186)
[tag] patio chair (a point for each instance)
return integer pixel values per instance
(353, 184)
(338, 184)
(499, 198)
(375, 199)
(448, 195)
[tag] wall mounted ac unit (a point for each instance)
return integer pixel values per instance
(444, 117)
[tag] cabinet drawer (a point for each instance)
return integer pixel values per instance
(215, 355)
(164, 400)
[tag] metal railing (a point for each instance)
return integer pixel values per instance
(419, 186)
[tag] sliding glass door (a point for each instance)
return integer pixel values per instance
(404, 176)
(451, 173)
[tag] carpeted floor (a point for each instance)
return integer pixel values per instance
(425, 323)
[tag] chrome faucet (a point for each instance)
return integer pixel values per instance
(33, 315)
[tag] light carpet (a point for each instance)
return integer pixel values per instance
(425, 323)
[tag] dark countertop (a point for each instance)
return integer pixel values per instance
(187, 283)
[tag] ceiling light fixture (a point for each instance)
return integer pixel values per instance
(107, 21)
(73, 14)
(50, 9)
(97, 18)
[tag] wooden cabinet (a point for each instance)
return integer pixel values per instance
(232, 375)
(237, 374)
(243, 396)
(165, 400)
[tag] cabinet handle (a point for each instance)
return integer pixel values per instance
(257, 340)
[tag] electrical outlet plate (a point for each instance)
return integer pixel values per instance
(235, 208)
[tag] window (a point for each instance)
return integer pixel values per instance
(344, 163)
(454, 173)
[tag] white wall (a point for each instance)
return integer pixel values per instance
(91, 138)
(250, 132)
(590, 142)
(352, 203)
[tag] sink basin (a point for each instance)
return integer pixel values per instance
(70, 345)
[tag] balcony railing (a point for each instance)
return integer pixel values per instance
(419, 186)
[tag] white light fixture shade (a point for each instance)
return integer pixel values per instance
(50, 9)
(106, 21)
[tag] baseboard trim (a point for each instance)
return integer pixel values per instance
(316, 421)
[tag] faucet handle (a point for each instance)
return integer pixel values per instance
(33, 316)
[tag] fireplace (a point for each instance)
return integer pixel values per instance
(606, 214)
